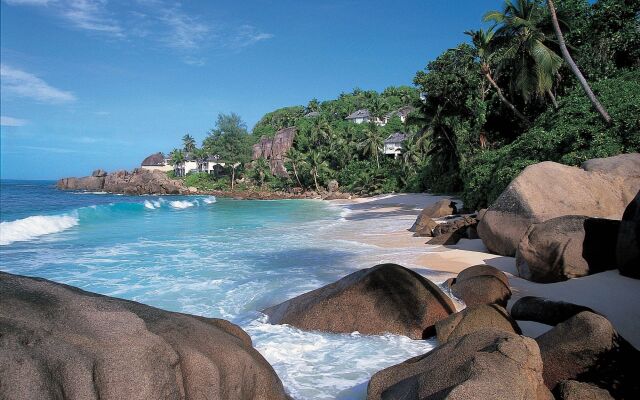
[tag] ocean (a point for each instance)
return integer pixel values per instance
(213, 257)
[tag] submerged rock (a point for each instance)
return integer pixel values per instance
(487, 364)
(587, 348)
(567, 247)
(57, 341)
(547, 190)
(482, 284)
(384, 298)
(473, 319)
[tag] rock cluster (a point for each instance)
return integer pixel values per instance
(549, 190)
(57, 341)
(138, 182)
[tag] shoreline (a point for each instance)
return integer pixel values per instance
(383, 221)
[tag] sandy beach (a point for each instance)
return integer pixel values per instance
(383, 222)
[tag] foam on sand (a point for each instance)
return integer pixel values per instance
(33, 227)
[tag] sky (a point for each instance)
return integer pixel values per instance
(89, 84)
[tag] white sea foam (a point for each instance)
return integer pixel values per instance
(182, 204)
(210, 199)
(149, 205)
(32, 227)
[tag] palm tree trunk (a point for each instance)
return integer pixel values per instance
(574, 67)
(553, 99)
(316, 182)
(377, 161)
(295, 172)
(233, 175)
(487, 74)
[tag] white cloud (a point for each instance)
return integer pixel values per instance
(185, 32)
(90, 15)
(44, 149)
(27, 2)
(24, 84)
(246, 35)
(10, 121)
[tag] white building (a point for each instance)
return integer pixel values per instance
(359, 117)
(156, 162)
(393, 145)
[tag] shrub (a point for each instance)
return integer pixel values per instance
(570, 135)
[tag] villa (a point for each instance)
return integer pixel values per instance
(156, 162)
(159, 162)
(359, 117)
(402, 113)
(393, 145)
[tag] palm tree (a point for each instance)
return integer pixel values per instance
(188, 143)
(372, 142)
(261, 170)
(379, 107)
(296, 159)
(176, 158)
(574, 67)
(320, 130)
(318, 166)
(482, 40)
(411, 152)
(523, 43)
(200, 155)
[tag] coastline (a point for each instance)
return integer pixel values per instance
(383, 221)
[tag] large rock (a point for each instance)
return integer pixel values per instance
(482, 284)
(57, 341)
(544, 311)
(548, 190)
(622, 164)
(275, 150)
(439, 209)
(385, 298)
(473, 319)
(587, 348)
(99, 173)
(487, 364)
(450, 232)
(140, 181)
(574, 390)
(628, 247)
(424, 226)
(567, 247)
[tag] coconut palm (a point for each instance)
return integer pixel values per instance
(188, 143)
(320, 131)
(411, 152)
(176, 159)
(523, 43)
(372, 143)
(378, 108)
(261, 170)
(296, 159)
(318, 166)
(574, 67)
(482, 40)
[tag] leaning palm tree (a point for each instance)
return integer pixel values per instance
(296, 159)
(574, 67)
(411, 153)
(523, 43)
(482, 40)
(318, 166)
(372, 143)
(188, 143)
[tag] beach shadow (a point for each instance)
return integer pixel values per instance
(504, 264)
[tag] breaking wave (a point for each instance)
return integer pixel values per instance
(32, 227)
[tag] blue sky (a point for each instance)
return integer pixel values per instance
(92, 84)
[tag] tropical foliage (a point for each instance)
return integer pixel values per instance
(479, 113)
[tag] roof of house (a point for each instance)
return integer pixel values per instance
(312, 114)
(154, 160)
(397, 137)
(364, 113)
(401, 112)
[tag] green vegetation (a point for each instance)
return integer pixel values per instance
(533, 85)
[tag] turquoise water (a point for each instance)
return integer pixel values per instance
(213, 257)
